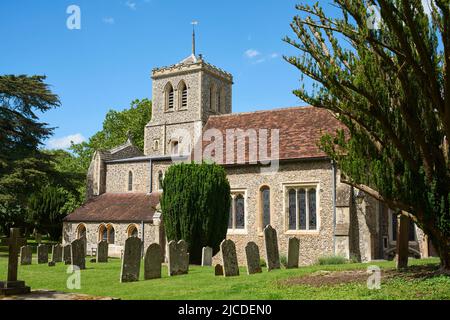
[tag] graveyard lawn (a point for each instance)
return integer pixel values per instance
(347, 281)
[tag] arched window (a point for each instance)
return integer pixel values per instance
(222, 101)
(111, 234)
(174, 147)
(102, 233)
(237, 211)
(160, 180)
(81, 231)
(183, 95)
(212, 97)
(218, 100)
(265, 206)
(169, 93)
(132, 231)
(130, 181)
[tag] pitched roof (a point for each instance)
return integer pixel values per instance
(300, 130)
(115, 207)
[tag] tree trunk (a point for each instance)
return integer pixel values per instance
(402, 242)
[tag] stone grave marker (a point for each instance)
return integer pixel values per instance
(78, 253)
(131, 261)
(293, 253)
(26, 255)
(218, 270)
(152, 262)
(271, 244)
(229, 258)
(178, 258)
(57, 253)
(253, 258)
(102, 252)
(207, 256)
(42, 254)
(67, 254)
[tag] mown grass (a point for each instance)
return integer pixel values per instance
(202, 284)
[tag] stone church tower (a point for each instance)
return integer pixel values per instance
(184, 96)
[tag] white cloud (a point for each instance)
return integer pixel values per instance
(252, 53)
(109, 20)
(131, 5)
(65, 142)
(260, 61)
(274, 55)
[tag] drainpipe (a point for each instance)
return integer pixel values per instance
(333, 172)
(151, 176)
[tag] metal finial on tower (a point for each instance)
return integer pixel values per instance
(194, 23)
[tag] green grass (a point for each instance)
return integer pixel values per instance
(200, 283)
(331, 260)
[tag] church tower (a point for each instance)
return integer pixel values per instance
(184, 96)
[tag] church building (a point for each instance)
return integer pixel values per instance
(298, 192)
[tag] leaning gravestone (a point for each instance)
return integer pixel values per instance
(253, 258)
(207, 256)
(26, 255)
(152, 262)
(178, 258)
(102, 252)
(229, 258)
(42, 254)
(293, 253)
(271, 244)
(78, 254)
(67, 254)
(57, 253)
(131, 261)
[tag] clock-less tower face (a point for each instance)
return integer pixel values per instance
(184, 96)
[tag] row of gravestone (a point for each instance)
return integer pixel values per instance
(177, 255)
(73, 253)
(229, 257)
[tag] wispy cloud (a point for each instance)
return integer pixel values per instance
(252, 53)
(109, 20)
(131, 5)
(65, 142)
(274, 55)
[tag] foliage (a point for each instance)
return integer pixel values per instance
(46, 211)
(262, 263)
(391, 89)
(330, 260)
(117, 126)
(196, 205)
(283, 260)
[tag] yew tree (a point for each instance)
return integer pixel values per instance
(387, 80)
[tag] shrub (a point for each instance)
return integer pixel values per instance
(262, 263)
(196, 204)
(283, 261)
(332, 260)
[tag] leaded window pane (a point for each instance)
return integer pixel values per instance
(240, 212)
(292, 210)
(302, 208)
(312, 209)
(266, 206)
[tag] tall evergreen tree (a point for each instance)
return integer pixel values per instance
(196, 205)
(391, 87)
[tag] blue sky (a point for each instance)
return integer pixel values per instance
(107, 63)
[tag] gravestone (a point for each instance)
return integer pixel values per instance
(131, 261)
(293, 253)
(207, 256)
(12, 286)
(178, 258)
(271, 244)
(67, 254)
(218, 270)
(26, 255)
(152, 262)
(229, 258)
(57, 253)
(42, 254)
(253, 258)
(102, 252)
(78, 254)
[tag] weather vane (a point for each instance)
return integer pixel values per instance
(194, 23)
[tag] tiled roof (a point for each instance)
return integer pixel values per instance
(113, 207)
(300, 130)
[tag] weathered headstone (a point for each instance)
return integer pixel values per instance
(78, 254)
(42, 254)
(293, 253)
(102, 252)
(218, 270)
(253, 258)
(131, 261)
(57, 253)
(229, 258)
(12, 286)
(207, 256)
(271, 244)
(67, 254)
(152, 262)
(178, 258)
(26, 255)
